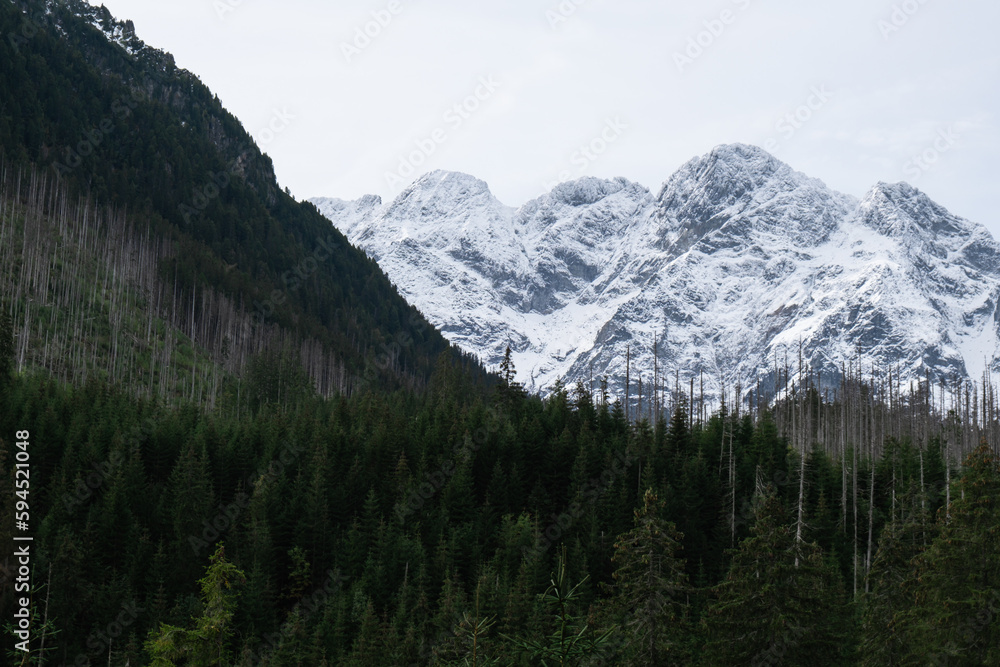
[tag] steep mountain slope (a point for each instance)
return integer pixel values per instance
(738, 264)
(97, 121)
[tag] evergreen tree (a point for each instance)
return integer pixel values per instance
(770, 611)
(956, 590)
(573, 639)
(883, 641)
(678, 436)
(472, 645)
(369, 648)
(207, 643)
(509, 390)
(650, 588)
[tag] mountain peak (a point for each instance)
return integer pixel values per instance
(722, 176)
(895, 191)
(441, 194)
(742, 153)
(895, 209)
(370, 201)
(725, 186)
(737, 259)
(589, 190)
(449, 180)
(742, 162)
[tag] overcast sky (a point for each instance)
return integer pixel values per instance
(351, 98)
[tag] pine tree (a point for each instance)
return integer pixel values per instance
(370, 643)
(650, 588)
(190, 501)
(678, 435)
(883, 641)
(770, 611)
(207, 643)
(956, 590)
(472, 645)
(510, 390)
(574, 639)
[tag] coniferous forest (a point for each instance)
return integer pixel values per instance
(471, 525)
(233, 443)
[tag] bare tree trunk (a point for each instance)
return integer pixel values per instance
(947, 483)
(45, 619)
(871, 519)
(854, 474)
(656, 382)
(638, 413)
(802, 490)
(732, 492)
(628, 367)
(843, 458)
(691, 405)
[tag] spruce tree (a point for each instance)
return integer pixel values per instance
(573, 639)
(883, 641)
(207, 643)
(370, 645)
(768, 611)
(678, 435)
(651, 588)
(509, 390)
(953, 619)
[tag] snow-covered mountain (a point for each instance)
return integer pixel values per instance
(736, 262)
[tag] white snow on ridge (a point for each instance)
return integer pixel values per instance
(738, 260)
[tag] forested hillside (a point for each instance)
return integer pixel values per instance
(134, 207)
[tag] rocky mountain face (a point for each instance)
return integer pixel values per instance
(736, 264)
